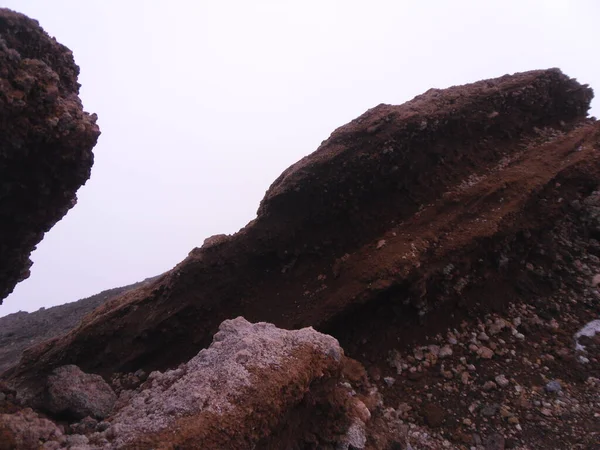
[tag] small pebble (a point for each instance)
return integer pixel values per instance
(501, 380)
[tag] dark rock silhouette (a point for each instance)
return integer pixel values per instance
(46, 141)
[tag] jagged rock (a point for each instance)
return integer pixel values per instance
(46, 141)
(253, 386)
(75, 394)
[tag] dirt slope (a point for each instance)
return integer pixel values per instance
(373, 216)
(22, 329)
(46, 141)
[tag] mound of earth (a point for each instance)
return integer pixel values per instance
(46, 141)
(22, 329)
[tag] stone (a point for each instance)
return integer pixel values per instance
(485, 353)
(445, 352)
(250, 376)
(490, 410)
(434, 415)
(76, 394)
(501, 380)
(389, 381)
(495, 441)
(43, 125)
(497, 326)
(483, 337)
(553, 386)
(464, 378)
(489, 385)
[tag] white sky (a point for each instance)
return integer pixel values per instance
(203, 104)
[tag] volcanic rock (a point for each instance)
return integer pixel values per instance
(75, 394)
(256, 386)
(46, 141)
(27, 430)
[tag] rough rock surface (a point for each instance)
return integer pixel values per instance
(245, 391)
(256, 386)
(73, 393)
(25, 429)
(46, 141)
(378, 211)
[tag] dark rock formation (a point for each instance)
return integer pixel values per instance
(46, 141)
(371, 229)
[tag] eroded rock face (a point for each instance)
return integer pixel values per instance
(75, 394)
(46, 140)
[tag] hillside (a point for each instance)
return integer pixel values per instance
(22, 329)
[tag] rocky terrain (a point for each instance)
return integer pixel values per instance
(46, 141)
(22, 329)
(428, 278)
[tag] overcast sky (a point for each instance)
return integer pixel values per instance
(203, 104)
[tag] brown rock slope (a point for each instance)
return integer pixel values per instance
(46, 141)
(357, 238)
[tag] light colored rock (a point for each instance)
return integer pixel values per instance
(389, 380)
(553, 386)
(247, 364)
(77, 394)
(445, 352)
(489, 385)
(589, 330)
(501, 380)
(485, 353)
(498, 325)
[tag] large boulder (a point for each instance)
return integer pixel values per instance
(46, 140)
(256, 386)
(74, 394)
